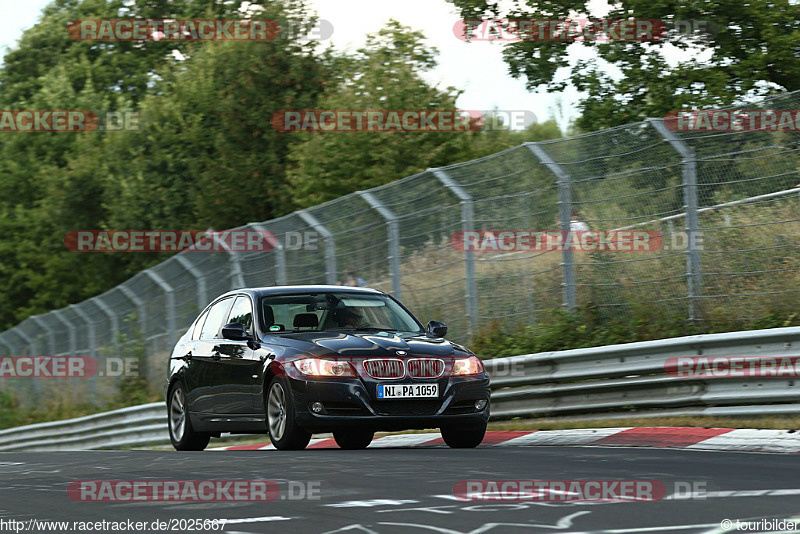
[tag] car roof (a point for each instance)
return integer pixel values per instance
(291, 290)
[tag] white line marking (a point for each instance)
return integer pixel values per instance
(656, 529)
(403, 440)
(352, 527)
(370, 503)
(258, 519)
(562, 524)
(562, 437)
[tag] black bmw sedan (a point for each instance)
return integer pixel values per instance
(295, 360)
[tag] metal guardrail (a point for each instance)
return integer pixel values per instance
(611, 382)
(136, 426)
(630, 380)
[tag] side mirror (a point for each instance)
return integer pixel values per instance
(436, 329)
(235, 332)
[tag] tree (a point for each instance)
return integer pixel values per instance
(205, 154)
(387, 75)
(384, 75)
(751, 48)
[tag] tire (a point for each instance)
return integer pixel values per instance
(181, 433)
(463, 438)
(283, 431)
(353, 439)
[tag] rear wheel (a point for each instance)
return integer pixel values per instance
(353, 439)
(181, 433)
(463, 438)
(284, 433)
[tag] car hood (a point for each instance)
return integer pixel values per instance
(368, 344)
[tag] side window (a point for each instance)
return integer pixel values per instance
(242, 312)
(199, 326)
(216, 315)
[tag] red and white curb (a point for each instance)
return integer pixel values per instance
(715, 439)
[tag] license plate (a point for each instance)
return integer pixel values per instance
(406, 391)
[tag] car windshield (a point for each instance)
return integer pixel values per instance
(325, 311)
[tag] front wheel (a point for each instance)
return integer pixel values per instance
(181, 433)
(284, 433)
(353, 439)
(463, 438)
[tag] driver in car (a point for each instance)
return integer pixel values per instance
(349, 317)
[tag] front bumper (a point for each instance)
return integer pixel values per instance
(352, 403)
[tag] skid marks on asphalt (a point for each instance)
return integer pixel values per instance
(435, 513)
(445, 514)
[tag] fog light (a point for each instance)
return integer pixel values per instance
(317, 407)
(480, 404)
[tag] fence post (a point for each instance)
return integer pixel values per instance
(39, 350)
(51, 342)
(9, 353)
(92, 346)
(694, 277)
(237, 277)
(467, 225)
(330, 246)
(73, 344)
(200, 281)
(564, 216)
(280, 256)
(25, 343)
(393, 234)
(139, 303)
(51, 335)
(280, 263)
(169, 294)
(98, 301)
(7, 344)
(85, 318)
(15, 330)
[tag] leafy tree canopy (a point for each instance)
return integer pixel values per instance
(713, 54)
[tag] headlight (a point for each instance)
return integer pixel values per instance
(467, 366)
(319, 367)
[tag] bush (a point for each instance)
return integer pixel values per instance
(561, 330)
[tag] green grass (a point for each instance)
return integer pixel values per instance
(66, 404)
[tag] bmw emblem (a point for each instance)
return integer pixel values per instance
(401, 353)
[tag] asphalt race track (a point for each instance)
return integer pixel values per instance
(411, 490)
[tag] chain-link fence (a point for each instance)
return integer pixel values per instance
(725, 204)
